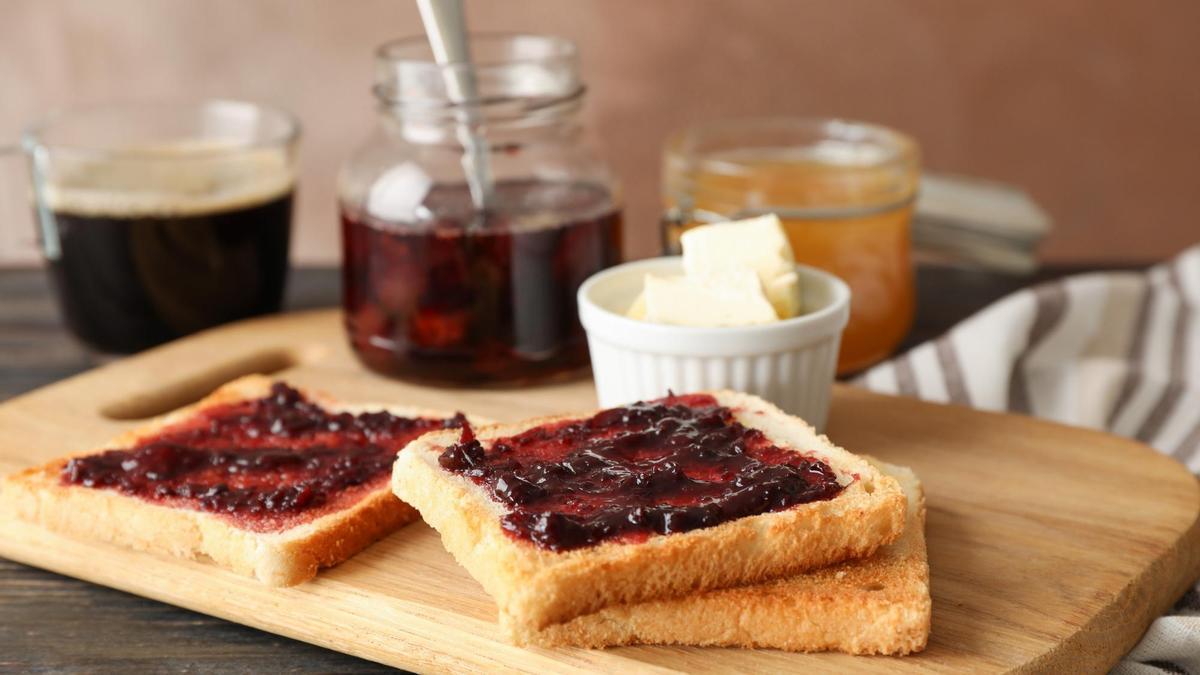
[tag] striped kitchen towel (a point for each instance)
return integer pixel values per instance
(1118, 351)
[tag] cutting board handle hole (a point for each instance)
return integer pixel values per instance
(169, 395)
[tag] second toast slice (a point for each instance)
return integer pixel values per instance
(561, 517)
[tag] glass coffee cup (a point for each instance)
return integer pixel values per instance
(156, 221)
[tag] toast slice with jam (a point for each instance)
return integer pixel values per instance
(877, 605)
(562, 517)
(262, 478)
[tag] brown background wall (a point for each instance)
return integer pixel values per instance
(1093, 106)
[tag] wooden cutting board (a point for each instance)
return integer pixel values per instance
(1051, 548)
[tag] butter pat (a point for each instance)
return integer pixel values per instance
(638, 309)
(758, 243)
(732, 296)
(783, 292)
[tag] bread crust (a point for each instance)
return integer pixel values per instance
(277, 558)
(534, 588)
(878, 605)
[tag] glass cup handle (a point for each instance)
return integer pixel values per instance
(23, 209)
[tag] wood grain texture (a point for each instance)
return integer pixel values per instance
(1050, 547)
(53, 624)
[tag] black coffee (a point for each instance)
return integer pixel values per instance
(128, 280)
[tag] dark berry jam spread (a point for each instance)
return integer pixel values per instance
(269, 463)
(672, 465)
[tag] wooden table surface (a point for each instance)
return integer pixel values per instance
(54, 623)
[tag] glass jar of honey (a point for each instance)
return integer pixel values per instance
(844, 192)
(440, 286)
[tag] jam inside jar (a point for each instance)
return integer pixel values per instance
(464, 299)
(454, 275)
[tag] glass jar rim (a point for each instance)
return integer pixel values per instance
(40, 134)
(686, 146)
(846, 147)
(406, 49)
(505, 66)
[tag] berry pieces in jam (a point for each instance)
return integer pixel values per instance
(660, 467)
(268, 463)
(467, 298)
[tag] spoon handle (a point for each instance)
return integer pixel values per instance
(446, 26)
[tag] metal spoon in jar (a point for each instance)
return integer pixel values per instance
(446, 27)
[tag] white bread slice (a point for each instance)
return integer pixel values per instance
(878, 605)
(534, 587)
(346, 525)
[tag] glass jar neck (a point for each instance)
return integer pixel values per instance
(514, 87)
(500, 122)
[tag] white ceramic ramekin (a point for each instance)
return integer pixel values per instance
(790, 363)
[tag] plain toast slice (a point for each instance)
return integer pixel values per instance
(877, 605)
(535, 587)
(280, 556)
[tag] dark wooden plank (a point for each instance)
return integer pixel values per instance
(58, 624)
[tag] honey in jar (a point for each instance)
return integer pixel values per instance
(844, 192)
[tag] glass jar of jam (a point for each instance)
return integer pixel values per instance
(440, 285)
